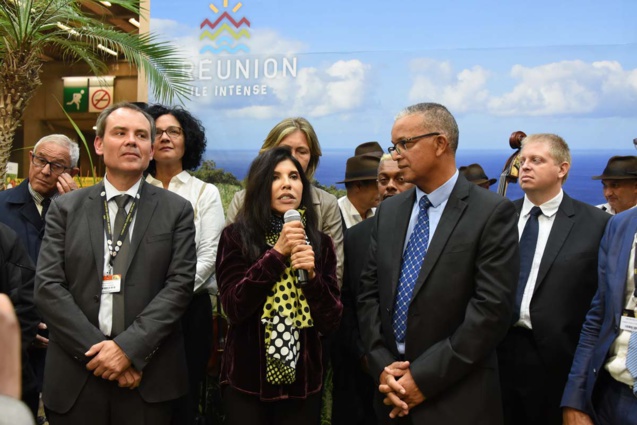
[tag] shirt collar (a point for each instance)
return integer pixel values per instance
(441, 194)
(182, 178)
(549, 208)
(111, 191)
(37, 197)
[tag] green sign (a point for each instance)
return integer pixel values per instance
(76, 96)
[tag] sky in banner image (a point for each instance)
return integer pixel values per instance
(567, 67)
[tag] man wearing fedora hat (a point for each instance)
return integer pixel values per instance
(619, 180)
(362, 192)
(476, 175)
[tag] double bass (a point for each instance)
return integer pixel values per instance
(511, 169)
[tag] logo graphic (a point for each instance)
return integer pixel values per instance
(225, 34)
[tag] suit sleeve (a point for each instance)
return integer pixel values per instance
(235, 205)
(333, 227)
(73, 331)
(488, 313)
(160, 317)
(368, 309)
(575, 391)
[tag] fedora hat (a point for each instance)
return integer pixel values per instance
(475, 174)
(361, 167)
(619, 168)
(369, 148)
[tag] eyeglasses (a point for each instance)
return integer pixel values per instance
(172, 132)
(403, 143)
(55, 167)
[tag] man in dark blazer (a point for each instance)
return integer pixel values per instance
(555, 291)
(444, 371)
(53, 163)
(600, 387)
(94, 372)
(354, 389)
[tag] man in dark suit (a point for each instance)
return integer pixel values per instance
(354, 389)
(53, 165)
(601, 383)
(112, 299)
(558, 247)
(431, 325)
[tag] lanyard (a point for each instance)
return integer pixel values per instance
(113, 249)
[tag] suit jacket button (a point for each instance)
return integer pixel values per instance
(96, 298)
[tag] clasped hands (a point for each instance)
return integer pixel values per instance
(110, 362)
(400, 389)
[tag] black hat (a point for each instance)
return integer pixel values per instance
(475, 174)
(361, 167)
(619, 168)
(369, 148)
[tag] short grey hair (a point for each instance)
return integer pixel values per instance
(65, 142)
(437, 118)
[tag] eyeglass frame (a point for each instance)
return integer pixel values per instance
(159, 133)
(51, 164)
(404, 142)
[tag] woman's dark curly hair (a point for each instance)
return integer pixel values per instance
(194, 135)
(253, 218)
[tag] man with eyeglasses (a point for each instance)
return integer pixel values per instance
(437, 289)
(353, 388)
(23, 208)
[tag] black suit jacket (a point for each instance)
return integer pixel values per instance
(565, 285)
(461, 305)
(158, 286)
(18, 211)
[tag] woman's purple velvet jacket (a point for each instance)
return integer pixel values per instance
(244, 288)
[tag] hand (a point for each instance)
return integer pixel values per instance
(109, 361)
(572, 416)
(303, 258)
(10, 375)
(392, 389)
(130, 378)
(292, 234)
(41, 341)
(65, 183)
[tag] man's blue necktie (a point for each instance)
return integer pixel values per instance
(412, 262)
(631, 355)
(528, 243)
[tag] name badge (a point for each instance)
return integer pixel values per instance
(628, 321)
(111, 284)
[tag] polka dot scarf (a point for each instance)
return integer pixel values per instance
(285, 312)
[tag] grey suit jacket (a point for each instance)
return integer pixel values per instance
(158, 287)
(461, 306)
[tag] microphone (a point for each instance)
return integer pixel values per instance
(294, 215)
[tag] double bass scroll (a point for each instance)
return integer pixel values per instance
(511, 169)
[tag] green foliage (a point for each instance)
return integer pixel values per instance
(225, 181)
(331, 189)
(31, 26)
(209, 173)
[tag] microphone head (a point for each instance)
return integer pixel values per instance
(291, 215)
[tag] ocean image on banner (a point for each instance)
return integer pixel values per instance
(579, 185)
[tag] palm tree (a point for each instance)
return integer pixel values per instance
(29, 29)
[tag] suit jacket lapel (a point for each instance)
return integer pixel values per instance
(559, 232)
(617, 282)
(448, 221)
(147, 204)
(401, 223)
(28, 209)
(94, 214)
